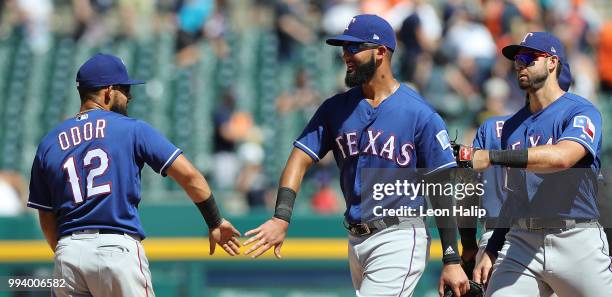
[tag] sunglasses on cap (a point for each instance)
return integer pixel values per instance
(355, 47)
(524, 59)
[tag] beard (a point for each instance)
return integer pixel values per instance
(361, 74)
(535, 82)
(121, 109)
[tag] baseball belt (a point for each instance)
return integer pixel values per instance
(534, 224)
(362, 229)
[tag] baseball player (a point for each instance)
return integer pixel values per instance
(554, 243)
(488, 137)
(378, 123)
(85, 184)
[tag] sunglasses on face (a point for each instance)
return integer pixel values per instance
(355, 47)
(125, 89)
(525, 59)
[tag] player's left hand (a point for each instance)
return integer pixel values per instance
(454, 277)
(226, 236)
(270, 234)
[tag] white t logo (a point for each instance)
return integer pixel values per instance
(526, 36)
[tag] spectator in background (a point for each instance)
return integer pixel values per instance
(301, 98)
(136, 18)
(471, 46)
(325, 199)
(230, 127)
(294, 27)
(217, 27)
(604, 60)
(252, 183)
(604, 64)
(419, 36)
(498, 17)
(394, 11)
(191, 17)
(338, 15)
(92, 21)
(32, 20)
(497, 91)
(12, 194)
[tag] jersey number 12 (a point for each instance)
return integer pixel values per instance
(75, 181)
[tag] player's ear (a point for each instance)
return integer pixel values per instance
(552, 62)
(107, 94)
(381, 52)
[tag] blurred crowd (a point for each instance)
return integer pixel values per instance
(448, 50)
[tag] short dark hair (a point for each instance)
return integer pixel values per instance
(88, 93)
(559, 68)
(390, 52)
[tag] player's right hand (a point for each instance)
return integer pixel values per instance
(453, 277)
(482, 272)
(226, 236)
(270, 234)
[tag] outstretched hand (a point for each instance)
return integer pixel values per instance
(270, 234)
(226, 236)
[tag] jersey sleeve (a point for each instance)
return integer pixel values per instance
(40, 196)
(433, 146)
(479, 139)
(154, 149)
(584, 126)
(314, 140)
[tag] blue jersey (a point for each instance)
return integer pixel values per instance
(87, 171)
(402, 132)
(566, 194)
(488, 137)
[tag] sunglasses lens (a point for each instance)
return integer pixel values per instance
(352, 48)
(524, 59)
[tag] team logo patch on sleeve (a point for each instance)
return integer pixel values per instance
(586, 125)
(443, 139)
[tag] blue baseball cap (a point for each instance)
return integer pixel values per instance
(366, 28)
(547, 43)
(539, 41)
(104, 70)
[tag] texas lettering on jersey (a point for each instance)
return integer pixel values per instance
(402, 132)
(377, 145)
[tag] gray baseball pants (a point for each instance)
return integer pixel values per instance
(105, 265)
(391, 261)
(570, 263)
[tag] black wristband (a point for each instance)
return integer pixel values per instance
(509, 158)
(209, 210)
(448, 238)
(284, 204)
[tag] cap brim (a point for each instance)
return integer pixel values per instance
(135, 82)
(341, 39)
(511, 50)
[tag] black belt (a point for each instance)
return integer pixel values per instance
(110, 231)
(533, 224)
(362, 229)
